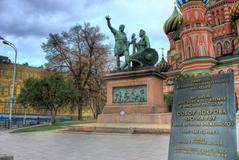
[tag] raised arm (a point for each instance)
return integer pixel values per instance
(109, 25)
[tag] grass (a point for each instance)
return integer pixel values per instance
(48, 127)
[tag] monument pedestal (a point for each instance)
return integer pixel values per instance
(135, 97)
(144, 118)
(135, 104)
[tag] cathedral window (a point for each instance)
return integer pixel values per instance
(227, 47)
(198, 24)
(221, 72)
(218, 20)
(177, 63)
(189, 51)
(219, 49)
(230, 70)
(187, 27)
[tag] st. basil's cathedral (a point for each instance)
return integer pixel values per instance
(204, 40)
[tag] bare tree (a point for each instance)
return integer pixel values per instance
(97, 87)
(81, 54)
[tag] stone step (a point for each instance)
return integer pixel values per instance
(121, 128)
(159, 118)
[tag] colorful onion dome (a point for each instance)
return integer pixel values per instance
(163, 66)
(182, 2)
(235, 11)
(174, 21)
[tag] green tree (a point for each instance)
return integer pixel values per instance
(80, 53)
(49, 93)
(168, 99)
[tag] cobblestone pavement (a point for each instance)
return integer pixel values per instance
(65, 146)
(62, 146)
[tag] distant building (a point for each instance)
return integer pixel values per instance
(204, 39)
(24, 72)
(6, 74)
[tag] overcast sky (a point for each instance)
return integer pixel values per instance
(27, 23)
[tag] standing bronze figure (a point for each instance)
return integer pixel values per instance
(121, 44)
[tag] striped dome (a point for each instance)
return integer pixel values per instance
(182, 2)
(174, 21)
(163, 66)
(235, 11)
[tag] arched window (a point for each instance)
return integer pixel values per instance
(226, 44)
(219, 49)
(189, 52)
(227, 47)
(177, 63)
(230, 70)
(221, 72)
(187, 49)
(218, 20)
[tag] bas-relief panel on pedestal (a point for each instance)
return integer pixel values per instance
(130, 94)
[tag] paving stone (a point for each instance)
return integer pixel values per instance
(62, 146)
(87, 146)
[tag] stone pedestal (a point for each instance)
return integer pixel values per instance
(135, 97)
(135, 104)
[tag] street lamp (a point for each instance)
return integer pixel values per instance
(11, 100)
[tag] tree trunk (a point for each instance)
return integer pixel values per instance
(93, 109)
(25, 116)
(53, 117)
(96, 116)
(80, 112)
(98, 111)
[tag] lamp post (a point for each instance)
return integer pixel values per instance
(11, 100)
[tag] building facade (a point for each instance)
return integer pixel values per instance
(23, 72)
(204, 40)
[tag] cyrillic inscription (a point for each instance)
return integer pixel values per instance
(203, 120)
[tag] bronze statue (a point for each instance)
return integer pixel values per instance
(121, 44)
(133, 42)
(143, 55)
(143, 42)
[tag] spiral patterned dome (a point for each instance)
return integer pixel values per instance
(182, 2)
(163, 66)
(235, 11)
(174, 21)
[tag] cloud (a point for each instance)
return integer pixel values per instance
(27, 23)
(32, 17)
